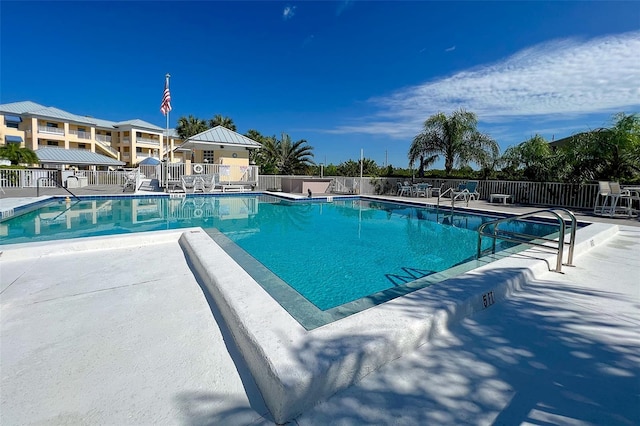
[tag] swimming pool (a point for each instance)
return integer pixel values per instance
(320, 260)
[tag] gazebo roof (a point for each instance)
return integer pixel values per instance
(217, 137)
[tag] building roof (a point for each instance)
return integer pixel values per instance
(138, 124)
(566, 140)
(172, 133)
(99, 122)
(52, 112)
(51, 155)
(35, 109)
(219, 136)
(20, 107)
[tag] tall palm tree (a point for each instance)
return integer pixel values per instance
(455, 137)
(18, 155)
(219, 120)
(285, 156)
(190, 126)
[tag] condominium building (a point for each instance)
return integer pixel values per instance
(35, 126)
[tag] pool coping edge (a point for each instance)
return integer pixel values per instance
(295, 368)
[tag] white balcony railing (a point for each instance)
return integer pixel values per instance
(103, 138)
(81, 134)
(148, 141)
(51, 130)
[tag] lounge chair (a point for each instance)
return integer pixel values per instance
(422, 189)
(467, 191)
(130, 182)
(212, 182)
(188, 183)
(404, 189)
(472, 187)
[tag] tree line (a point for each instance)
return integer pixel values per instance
(610, 153)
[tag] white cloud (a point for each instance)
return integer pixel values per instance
(288, 12)
(450, 49)
(559, 79)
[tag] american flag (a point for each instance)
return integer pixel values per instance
(165, 106)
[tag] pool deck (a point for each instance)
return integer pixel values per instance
(126, 330)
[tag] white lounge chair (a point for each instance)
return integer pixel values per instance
(130, 182)
(212, 183)
(188, 183)
(467, 191)
(404, 189)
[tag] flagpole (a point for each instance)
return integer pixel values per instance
(168, 76)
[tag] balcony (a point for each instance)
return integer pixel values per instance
(103, 138)
(148, 141)
(51, 130)
(81, 134)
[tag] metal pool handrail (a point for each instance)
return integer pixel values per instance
(521, 238)
(454, 197)
(57, 184)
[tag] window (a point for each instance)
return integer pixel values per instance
(82, 146)
(207, 156)
(12, 121)
(138, 134)
(82, 129)
(52, 143)
(52, 125)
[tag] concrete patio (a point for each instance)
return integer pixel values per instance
(119, 330)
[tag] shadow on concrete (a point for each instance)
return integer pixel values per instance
(203, 408)
(545, 356)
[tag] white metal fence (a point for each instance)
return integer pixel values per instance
(578, 196)
(570, 195)
(171, 172)
(48, 178)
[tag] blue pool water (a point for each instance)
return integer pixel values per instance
(330, 253)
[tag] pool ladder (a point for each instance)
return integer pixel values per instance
(40, 179)
(534, 240)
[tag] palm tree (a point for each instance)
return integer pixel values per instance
(286, 157)
(605, 154)
(533, 158)
(618, 148)
(455, 137)
(219, 120)
(190, 126)
(255, 135)
(18, 155)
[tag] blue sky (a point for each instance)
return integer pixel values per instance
(344, 75)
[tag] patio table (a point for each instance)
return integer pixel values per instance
(503, 197)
